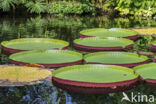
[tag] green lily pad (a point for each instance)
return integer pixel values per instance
(146, 71)
(114, 58)
(46, 56)
(95, 73)
(35, 44)
(113, 32)
(104, 42)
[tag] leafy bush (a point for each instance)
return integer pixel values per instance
(138, 8)
(48, 6)
(141, 8)
(6, 5)
(63, 7)
(37, 6)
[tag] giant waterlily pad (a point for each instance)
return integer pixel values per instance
(25, 44)
(94, 78)
(146, 31)
(95, 44)
(47, 58)
(147, 73)
(113, 32)
(22, 75)
(115, 58)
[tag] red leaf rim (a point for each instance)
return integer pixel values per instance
(89, 84)
(148, 80)
(95, 90)
(48, 65)
(90, 48)
(9, 51)
(153, 48)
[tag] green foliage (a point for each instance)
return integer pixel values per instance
(21, 2)
(63, 7)
(7, 5)
(143, 43)
(141, 8)
(37, 6)
(48, 6)
(7, 28)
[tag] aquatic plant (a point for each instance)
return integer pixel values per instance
(18, 75)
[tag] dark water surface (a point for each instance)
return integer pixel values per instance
(66, 28)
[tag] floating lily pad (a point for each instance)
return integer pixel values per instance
(115, 58)
(146, 31)
(94, 78)
(95, 44)
(47, 58)
(22, 75)
(25, 44)
(147, 73)
(113, 32)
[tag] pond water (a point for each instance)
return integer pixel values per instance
(66, 28)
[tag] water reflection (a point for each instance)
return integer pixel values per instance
(48, 94)
(66, 28)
